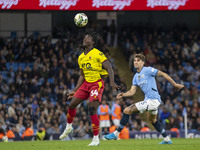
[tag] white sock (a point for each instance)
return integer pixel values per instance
(96, 137)
(116, 133)
(69, 125)
(167, 139)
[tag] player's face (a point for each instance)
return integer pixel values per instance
(87, 41)
(138, 63)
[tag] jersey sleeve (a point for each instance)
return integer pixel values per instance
(101, 57)
(134, 81)
(152, 71)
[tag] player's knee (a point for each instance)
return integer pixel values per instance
(131, 109)
(92, 110)
(127, 110)
(71, 106)
(152, 120)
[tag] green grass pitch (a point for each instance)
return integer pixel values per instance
(132, 144)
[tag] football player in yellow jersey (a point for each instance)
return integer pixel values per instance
(90, 85)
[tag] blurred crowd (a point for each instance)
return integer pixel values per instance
(37, 72)
(176, 52)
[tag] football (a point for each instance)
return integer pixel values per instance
(81, 19)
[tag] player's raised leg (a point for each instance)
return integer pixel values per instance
(70, 116)
(158, 126)
(126, 113)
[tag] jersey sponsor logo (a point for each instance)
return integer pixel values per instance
(64, 4)
(172, 4)
(7, 4)
(83, 65)
(142, 83)
(87, 65)
(116, 4)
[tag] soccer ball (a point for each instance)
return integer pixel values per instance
(5, 139)
(81, 19)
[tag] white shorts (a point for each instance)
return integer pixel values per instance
(150, 105)
(105, 123)
(116, 122)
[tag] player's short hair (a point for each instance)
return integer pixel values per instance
(140, 56)
(94, 36)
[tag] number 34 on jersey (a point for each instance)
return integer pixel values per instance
(94, 92)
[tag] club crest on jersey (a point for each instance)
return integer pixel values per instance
(143, 76)
(90, 57)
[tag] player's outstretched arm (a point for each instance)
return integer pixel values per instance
(80, 81)
(168, 78)
(129, 93)
(106, 64)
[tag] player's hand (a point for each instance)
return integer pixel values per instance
(179, 86)
(120, 95)
(114, 86)
(70, 95)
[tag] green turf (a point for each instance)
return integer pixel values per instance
(132, 144)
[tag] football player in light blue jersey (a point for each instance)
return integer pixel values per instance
(145, 79)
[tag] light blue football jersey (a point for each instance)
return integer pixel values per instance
(145, 79)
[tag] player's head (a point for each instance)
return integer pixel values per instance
(89, 39)
(139, 60)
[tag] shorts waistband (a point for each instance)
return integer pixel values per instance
(95, 81)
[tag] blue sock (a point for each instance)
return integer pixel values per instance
(123, 122)
(158, 126)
